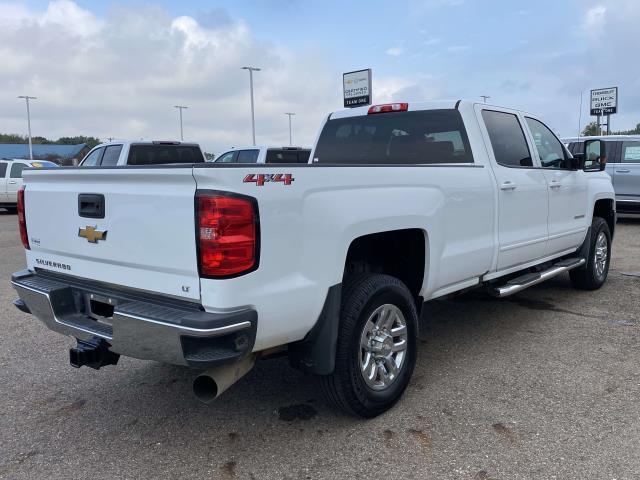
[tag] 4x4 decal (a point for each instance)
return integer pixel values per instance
(261, 178)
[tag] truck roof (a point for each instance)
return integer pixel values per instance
(268, 147)
(147, 142)
(415, 106)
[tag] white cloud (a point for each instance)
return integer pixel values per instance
(594, 21)
(458, 48)
(120, 76)
(432, 41)
(394, 51)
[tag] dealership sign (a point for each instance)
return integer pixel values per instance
(604, 101)
(357, 88)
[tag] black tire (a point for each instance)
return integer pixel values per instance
(12, 209)
(346, 388)
(588, 277)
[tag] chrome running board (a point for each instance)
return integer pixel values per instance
(524, 281)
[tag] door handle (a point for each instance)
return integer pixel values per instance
(555, 184)
(507, 186)
(623, 171)
(12, 182)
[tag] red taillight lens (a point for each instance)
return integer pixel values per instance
(22, 221)
(227, 234)
(388, 107)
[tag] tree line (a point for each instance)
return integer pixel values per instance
(15, 138)
(592, 129)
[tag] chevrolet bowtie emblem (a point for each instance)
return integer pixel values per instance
(91, 234)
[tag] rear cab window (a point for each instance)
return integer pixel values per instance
(163, 154)
(284, 155)
(3, 169)
(413, 137)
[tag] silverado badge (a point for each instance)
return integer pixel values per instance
(91, 234)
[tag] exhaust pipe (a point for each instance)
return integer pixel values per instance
(209, 385)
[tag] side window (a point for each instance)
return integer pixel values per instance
(111, 155)
(248, 156)
(550, 149)
(630, 152)
(16, 170)
(507, 139)
(93, 158)
(228, 157)
(3, 170)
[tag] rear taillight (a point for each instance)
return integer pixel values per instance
(227, 229)
(22, 220)
(388, 107)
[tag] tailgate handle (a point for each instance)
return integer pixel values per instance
(91, 205)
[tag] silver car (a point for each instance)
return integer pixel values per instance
(623, 164)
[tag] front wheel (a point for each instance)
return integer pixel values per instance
(593, 275)
(376, 350)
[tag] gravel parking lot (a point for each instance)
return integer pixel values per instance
(544, 384)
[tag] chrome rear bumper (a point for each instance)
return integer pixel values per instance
(139, 325)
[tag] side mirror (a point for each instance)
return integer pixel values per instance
(595, 156)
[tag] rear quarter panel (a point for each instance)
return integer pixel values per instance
(307, 227)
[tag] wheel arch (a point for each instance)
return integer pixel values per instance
(606, 209)
(389, 252)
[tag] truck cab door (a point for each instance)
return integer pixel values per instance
(568, 193)
(522, 188)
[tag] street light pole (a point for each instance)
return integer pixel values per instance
(290, 114)
(27, 98)
(484, 97)
(253, 119)
(180, 107)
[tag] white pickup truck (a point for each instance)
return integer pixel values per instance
(215, 265)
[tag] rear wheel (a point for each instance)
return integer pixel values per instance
(593, 275)
(376, 350)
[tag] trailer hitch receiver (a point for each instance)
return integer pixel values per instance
(93, 353)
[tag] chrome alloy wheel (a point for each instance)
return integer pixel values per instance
(383, 346)
(601, 254)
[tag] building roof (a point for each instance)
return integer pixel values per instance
(21, 150)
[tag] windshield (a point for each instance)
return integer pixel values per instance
(43, 164)
(419, 137)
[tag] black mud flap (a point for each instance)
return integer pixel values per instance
(316, 353)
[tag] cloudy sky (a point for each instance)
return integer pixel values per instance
(115, 69)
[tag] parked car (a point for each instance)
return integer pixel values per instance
(265, 155)
(623, 165)
(11, 179)
(118, 153)
(213, 266)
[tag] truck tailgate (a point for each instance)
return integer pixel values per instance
(145, 238)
